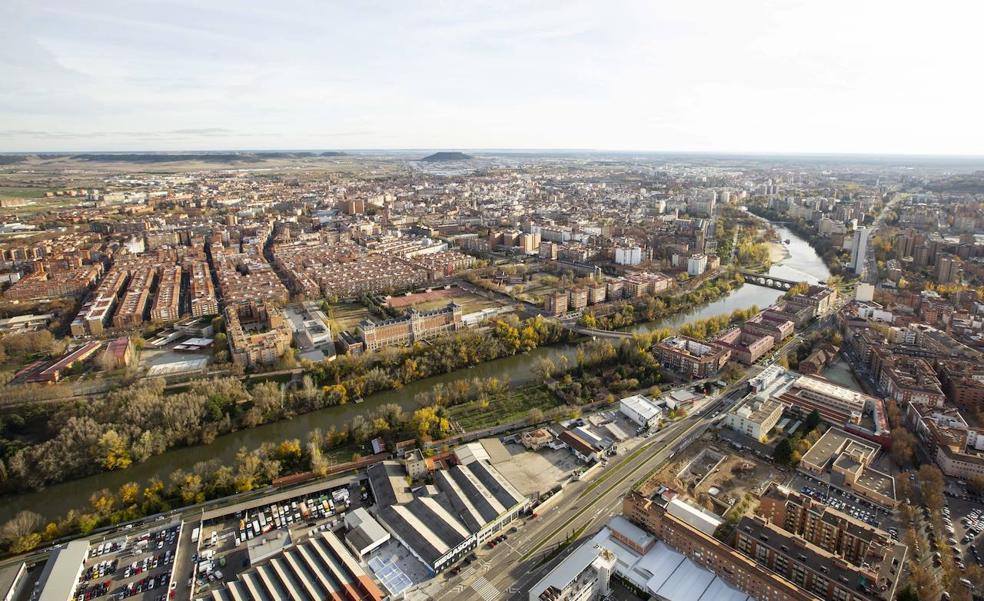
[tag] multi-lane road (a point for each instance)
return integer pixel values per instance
(516, 564)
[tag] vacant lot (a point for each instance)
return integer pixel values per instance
(539, 286)
(728, 480)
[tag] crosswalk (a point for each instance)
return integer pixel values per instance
(485, 589)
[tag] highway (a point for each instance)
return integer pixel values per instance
(509, 570)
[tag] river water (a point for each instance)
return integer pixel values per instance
(801, 264)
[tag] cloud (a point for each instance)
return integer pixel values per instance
(204, 131)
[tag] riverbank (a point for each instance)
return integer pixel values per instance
(778, 252)
(518, 370)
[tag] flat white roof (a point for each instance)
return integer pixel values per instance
(177, 367)
(687, 582)
(663, 571)
(566, 571)
(844, 395)
(704, 521)
(639, 404)
(61, 573)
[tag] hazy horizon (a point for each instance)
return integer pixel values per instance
(765, 78)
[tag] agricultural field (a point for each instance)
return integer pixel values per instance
(510, 407)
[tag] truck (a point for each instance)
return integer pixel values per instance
(194, 535)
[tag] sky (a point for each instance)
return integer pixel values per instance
(758, 76)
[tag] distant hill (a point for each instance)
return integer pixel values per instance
(438, 157)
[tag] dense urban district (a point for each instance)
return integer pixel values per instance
(557, 376)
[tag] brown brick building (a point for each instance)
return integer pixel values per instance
(418, 325)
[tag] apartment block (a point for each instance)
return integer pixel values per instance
(821, 525)
(53, 284)
(259, 334)
(133, 305)
(346, 271)
(555, 303)
(745, 345)
(812, 569)
(96, 314)
(578, 299)
(691, 357)
(167, 302)
(201, 289)
(246, 277)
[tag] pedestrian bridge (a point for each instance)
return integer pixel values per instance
(595, 332)
(769, 281)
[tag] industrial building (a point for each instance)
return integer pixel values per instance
(640, 410)
(468, 503)
(319, 568)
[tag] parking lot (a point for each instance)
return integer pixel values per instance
(137, 567)
(963, 522)
(845, 501)
(222, 549)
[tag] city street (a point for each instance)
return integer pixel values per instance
(509, 570)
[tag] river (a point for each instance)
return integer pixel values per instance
(802, 263)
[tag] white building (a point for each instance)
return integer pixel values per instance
(864, 293)
(657, 570)
(631, 255)
(859, 249)
(755, 418)
(697, 264)
(641, 410)
(583, 576)
(365, 534)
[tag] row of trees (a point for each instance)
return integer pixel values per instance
(703, 329)
(251, 469)
(134, 423)
(352, 377)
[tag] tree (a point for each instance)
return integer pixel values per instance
(22, 524)
(319, 463)
(903, 447)
(812, 421)
(798, 290)
(784, 452)
(114, 451)
(128, 493)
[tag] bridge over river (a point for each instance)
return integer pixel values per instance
(769, 281)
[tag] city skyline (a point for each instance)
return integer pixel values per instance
(774, 78)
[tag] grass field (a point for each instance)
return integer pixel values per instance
(541, 285)
(345, 316)
(438, 299)
(22, 192)
(511, 407)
